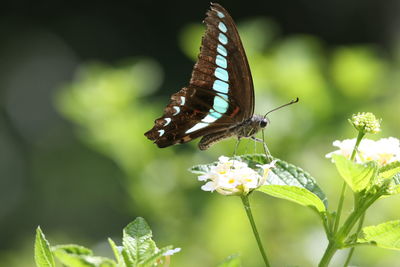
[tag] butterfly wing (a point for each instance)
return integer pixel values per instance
(220, 93)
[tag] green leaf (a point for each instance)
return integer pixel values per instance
(390, 170)
(282, 174)
(396, 184)
(358, 176)
(127, 258)
(116, 252)
(231, 261)
(78, 256)
(74, 249)
(43, 255)
(295, 194)
(137, 240)
(384, 235)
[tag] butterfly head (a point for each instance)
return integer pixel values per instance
(264, 122)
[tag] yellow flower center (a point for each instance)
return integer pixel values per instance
(385, 158)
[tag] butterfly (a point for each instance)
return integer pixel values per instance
(218, 103)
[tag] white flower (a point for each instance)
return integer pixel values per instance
(233, 177)
(345, 148)
(384, 151)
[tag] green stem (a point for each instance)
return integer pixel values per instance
(359, 211)
(246, 204)
(353, 155)
(329, 252)
(339, 209)
(343, 191)
(337, 243)
(359, 138)
(360, 224)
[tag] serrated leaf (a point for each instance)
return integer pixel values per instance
(231, 261)
(75, 256)
(358, 176)
(295, 194)
(390, 170)
(137, 240)
(282, 174)
(43, 255)
(384, 235)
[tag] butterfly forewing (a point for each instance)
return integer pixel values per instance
(220, 93)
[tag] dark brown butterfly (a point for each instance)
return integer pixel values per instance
(219, 101)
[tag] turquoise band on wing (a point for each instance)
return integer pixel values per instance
(221, 86)
(221, 50)
(222, 38)
(220, 104)
(221, 61)
(222, 27)
(221, 74)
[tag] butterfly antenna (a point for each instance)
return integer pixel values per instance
(287, 104)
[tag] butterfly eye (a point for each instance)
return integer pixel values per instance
(263, 123)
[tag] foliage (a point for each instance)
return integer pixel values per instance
(368, 179)
(137, 250)
(384, 235)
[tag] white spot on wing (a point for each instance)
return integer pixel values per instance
(209, 119)
(177, 110)
(196, 127)
(161, 132)
(183, 99)
(167, 121)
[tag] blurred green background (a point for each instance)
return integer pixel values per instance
(81, 82)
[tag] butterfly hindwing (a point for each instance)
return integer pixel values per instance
(220, 92)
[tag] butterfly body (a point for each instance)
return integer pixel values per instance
(246, 129)
(219, 101)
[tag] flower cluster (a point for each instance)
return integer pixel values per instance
(366, 122)
(233, 177)
(384, 151)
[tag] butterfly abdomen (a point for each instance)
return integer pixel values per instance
(208, 140)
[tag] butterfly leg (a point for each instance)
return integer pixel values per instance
(236, 146)
(266, 150)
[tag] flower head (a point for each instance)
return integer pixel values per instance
(234, 177)
(366, 122)
(384, 151)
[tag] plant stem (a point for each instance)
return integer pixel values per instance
(360, 224)
(337, 242)
(246, 204)
(343, 191)
(359, 138)
(329, 252)
(339, 209)
(353, 155)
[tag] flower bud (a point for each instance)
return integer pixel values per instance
(366, 122)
